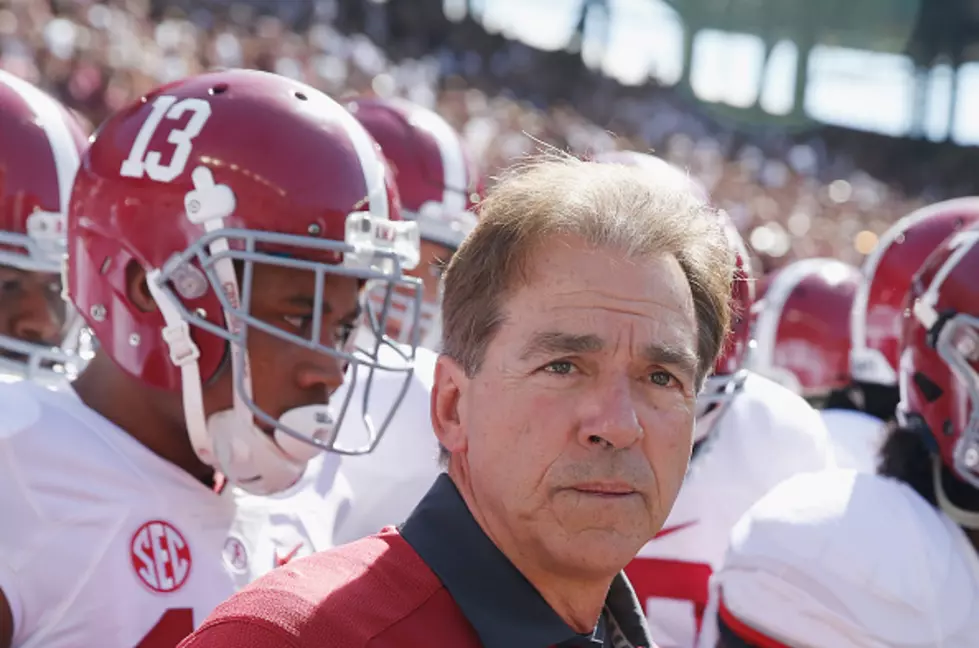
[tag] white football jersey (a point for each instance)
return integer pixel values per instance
(857, 438)
(388, 483)
(106, 544)
(844, 558)
(766, 435)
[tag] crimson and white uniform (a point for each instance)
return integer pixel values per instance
(106, 544)
(842, 558)
(766, 435)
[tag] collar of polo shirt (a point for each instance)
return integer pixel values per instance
(501, 605)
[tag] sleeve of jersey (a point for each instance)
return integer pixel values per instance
(41, 567)
(856, 438)
(782, 434)
(20, 528)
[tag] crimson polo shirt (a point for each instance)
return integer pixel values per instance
(436, 581)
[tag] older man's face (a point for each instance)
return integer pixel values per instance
(579, 424)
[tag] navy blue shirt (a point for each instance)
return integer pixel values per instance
(501, 605)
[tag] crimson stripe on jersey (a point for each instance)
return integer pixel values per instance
(751, 637)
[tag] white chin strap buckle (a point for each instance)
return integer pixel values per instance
(313, 422)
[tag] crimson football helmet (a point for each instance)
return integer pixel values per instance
(875, 321)
(801, 326)
(939, 366)
(40, 145)
(199, 181)
(729, 373)
(439, 190)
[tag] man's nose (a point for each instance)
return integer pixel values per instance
(322, 372)
(34, 320)
(610, 416)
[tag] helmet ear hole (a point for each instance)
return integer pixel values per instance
(136, 289)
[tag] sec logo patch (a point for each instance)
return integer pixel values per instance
(160, 556)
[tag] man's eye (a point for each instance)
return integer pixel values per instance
(298, 322)
(662, 379)
(344, 331)
(560, 367)
(10, 285)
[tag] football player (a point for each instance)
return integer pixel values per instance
(40, 145)
(220, 232)
(858, 412)
(751, 433)
(934, 447)
(439, 190)
(842, 558)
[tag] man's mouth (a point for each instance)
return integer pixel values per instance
(603, 489)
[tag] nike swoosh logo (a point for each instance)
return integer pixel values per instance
(673, 529)
(282, 560)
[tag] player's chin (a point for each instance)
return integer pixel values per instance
(266, 429)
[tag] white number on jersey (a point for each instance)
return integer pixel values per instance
(140, 162)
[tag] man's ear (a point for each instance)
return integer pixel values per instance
(136, 289)
(448, 404)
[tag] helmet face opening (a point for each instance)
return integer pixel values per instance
(958, 346)
(939, 362)
(39, 259)
(40, 147)
(407, 313)
(957, 418)
(375, 253)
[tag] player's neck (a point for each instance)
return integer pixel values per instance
(141, 412)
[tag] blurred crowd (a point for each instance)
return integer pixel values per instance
(96, 55)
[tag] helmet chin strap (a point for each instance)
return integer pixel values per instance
(962, 517)
(228, 440)
(225, 440)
